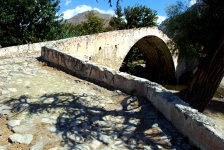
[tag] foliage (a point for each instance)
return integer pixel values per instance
(25, 21)
(118, 22)
(66, 31)
(140, 16)
(93, 25)
(200, 29)
(134, 17)
(195, 30)
(132, 60)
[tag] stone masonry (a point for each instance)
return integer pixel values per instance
(201, 130)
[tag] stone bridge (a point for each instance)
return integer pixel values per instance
(35, 90)
(110, 48)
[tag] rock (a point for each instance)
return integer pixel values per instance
(1, 132)
(5, 92)
(38, 146)
(95, 144)
(105, 124)
(12, 89)
(133, 144)
(3, 148)
(105, 139)
(13, 123)
(106, 148)
(84, 95)
(52, 128)
(127, 136)
(77, 138)
(23, 128)
(148, 148)
(47, 120)
(55, 148)
(112, 134)
(21, 138)
(5, 111)
(82, 147)
(119, 144)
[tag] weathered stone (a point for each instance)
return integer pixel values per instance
(21, 138)
(26, 128)
(5, 110)
(47, 120)
(13, 123)
(82, 147)
(95, 144)
(38, 146)
(126, 136)
(105, 139)
(52, 128)
(77, 138)
(103, 123)
(1, 132)
(3, 148)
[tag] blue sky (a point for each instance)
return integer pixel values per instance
(73, 7)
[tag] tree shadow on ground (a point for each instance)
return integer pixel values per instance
(83, 118)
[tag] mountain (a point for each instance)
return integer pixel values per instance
(82, 17)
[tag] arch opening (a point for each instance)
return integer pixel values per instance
(153, 60)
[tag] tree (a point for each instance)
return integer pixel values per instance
(134, 17)
(93, 25)
(117, 22)
(200, 29)
(25, 21)
(140, 16)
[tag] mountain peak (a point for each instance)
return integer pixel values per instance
(82, 17)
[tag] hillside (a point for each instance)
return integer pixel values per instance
(82, 17)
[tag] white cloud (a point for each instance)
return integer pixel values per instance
(82, 8)
(67, 2)
(109, 11)
(68, 13)
(161, 19)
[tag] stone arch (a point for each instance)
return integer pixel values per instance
(159, 61)
(110, 48)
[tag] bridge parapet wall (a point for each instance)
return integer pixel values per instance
(201, 130)
(14, 51)
(109, 48)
